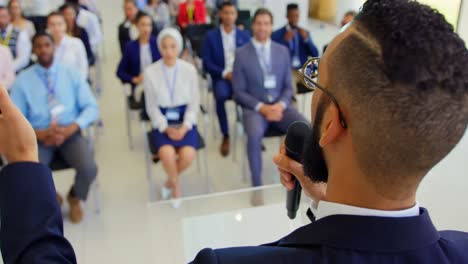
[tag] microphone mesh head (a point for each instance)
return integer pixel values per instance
(296, 136)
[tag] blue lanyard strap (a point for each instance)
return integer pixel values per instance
(170, 87)
(261, 53)
(49, 83)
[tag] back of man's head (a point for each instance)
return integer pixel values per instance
(401, 76)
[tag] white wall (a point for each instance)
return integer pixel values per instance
(463, 23)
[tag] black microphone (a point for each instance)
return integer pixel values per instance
(295, 139)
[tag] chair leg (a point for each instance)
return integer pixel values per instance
(129, 129)
(207, 171)
(148, 161)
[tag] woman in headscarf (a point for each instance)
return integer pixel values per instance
(172, 103)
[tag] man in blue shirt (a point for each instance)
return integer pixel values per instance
(59, 103)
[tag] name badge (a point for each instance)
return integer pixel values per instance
(296, 62)
(172, 114)
(56, 109)
(270, 81)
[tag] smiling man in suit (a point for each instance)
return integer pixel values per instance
(218, 60)
(262, 86)
(391, 101)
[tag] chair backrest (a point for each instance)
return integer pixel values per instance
(244, 18)
(196, 35)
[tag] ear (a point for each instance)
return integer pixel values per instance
(331, 127)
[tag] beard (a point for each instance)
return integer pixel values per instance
(314, 163)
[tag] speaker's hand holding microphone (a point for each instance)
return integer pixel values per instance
(291, 171)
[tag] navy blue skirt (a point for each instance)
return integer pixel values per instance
(161, 139)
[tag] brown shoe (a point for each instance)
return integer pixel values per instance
(76, 211)
(59, 199)
(225, 146)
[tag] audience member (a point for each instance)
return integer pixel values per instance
(90, 22)
(174, 10)
(262, 86)
(59, 104)
(7, 68)
(159, 11)
(18, 41)
(90, 5)
(18, 20)
(296, 39)
(191, 12)
(68, 50)
(38, 10)
(138, 55)
(128, 30)
(172, 103)
(347, 18)
(218, 60)
(74, 30)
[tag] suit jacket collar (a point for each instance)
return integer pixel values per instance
(377, 234)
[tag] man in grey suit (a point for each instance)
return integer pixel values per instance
(262, 86)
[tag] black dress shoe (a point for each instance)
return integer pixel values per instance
(133, 104)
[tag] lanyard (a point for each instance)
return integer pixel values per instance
(6, 41)
(263, 61)
(295, 44)
(170, 87)
(49, 83)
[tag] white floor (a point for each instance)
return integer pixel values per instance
(123, 231)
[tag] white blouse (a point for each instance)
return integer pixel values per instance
(71, 52)
(158, 94)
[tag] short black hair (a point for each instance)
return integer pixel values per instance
(292, 6)
(41, 34)
(141, 15)
(401, 77)
(69, 5)
(262, 11)
(351, 13)
(55, 13)
(226, 4)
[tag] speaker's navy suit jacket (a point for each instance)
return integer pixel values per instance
(32, 232)
(31, 219)
(354, 239)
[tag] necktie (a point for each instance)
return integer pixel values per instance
(266, 57)
(3, 33)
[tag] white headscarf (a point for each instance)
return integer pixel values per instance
(174, 34)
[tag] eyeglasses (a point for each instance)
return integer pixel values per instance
(308, 73)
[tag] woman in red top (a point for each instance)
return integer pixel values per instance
(191, 12)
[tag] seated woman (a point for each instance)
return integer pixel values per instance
(172, 103)
(191, 12)
(68, 50)
(69, 12)
(18, 20)
(138, 55)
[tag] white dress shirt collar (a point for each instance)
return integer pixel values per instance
(258, 45)
(225, 34)
(323, 209)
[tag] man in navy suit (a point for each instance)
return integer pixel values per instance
(391, 101)
(218, 60)
(296, 39)
(262, 86)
